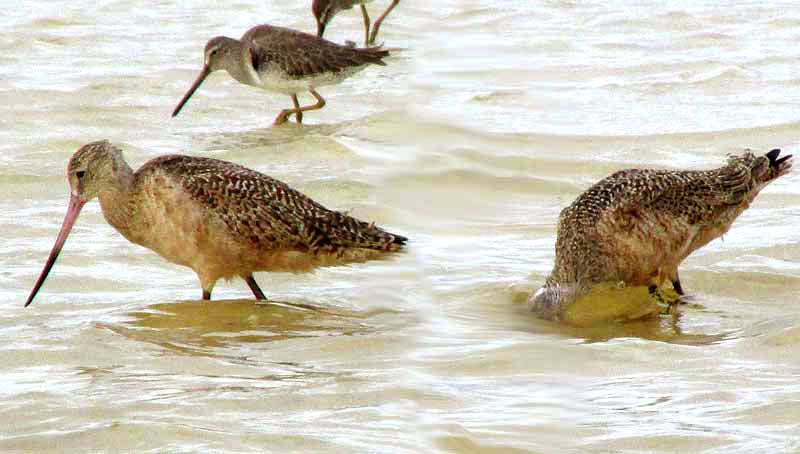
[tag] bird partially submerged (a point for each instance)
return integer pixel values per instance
(634, 228)
(218, 218)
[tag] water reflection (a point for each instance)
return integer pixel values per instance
(198, 327)
(269, 136)
(663, 328)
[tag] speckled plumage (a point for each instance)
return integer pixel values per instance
(300, 55)
(262, 210)
(285, 61)
(325, 10)
(218, 218)
(636, 226)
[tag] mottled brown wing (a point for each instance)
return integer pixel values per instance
(634, 198)
(690, 194)
(302, 55)
(698, 196)
(252, 205)
(266, 211)
(623, 190)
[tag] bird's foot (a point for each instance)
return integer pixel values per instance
(282, 117)
(667, 298)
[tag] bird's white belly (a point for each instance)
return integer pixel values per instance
(278, 82)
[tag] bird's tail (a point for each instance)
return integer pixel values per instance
(348, 232)
(778, 166)
(372, 55)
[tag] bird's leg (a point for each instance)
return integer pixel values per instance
(298, 113)
(320, 102)
(207, 284)
(284, 115)
(676, 283)
(255, 288)
(377, 24)
(366, 24)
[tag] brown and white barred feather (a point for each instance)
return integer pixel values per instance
(267, 212)
(301, 55)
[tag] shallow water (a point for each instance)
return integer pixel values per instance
(495, 116)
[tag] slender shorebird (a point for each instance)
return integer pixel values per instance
(286, 61)
(635, 227)
(324, 10)
(218, 218)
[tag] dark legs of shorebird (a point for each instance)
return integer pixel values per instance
(378, 22)
(255, 288)
(250, 282)
(299, 115)
(676, 284)
(366, 24)
(284, 115)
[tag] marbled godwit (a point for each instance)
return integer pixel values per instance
(636, 226)
(285, 61)
(324, 10)
(220, 219)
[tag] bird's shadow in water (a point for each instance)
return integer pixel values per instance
(209, 328)
(272, 136)
(663, 328)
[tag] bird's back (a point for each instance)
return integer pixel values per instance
(301, 55)
(636, 221)
(615, 222)
(263, 211)
(625, 236)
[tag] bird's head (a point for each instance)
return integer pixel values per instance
(550, 300)
(214, 56)
(88, 171)
(90, 167)
(214, 52)
(323, 12)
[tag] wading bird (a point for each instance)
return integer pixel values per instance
(635, 227)
(283, 60)
(218, 218)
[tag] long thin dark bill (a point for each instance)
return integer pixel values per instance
(205, 72)
(75, 205)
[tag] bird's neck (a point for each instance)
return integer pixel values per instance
(237, 66)
(116, 199)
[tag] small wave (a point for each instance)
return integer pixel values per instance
(56, 22)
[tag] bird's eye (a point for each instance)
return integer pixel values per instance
(80, 173)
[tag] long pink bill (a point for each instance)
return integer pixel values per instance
(203, 74)
(75, 205)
